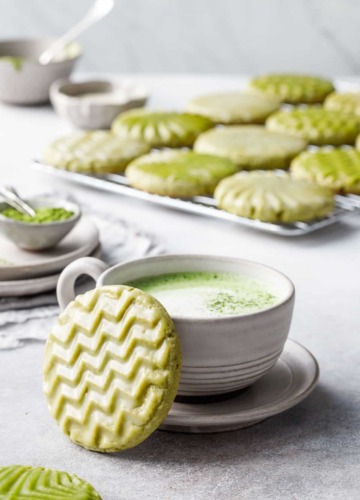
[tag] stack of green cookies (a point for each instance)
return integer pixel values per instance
(134, 133)
(231, 132)
(318, 125)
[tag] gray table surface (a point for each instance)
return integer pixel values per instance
(310, 451)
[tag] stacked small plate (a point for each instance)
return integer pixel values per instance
(28, 273)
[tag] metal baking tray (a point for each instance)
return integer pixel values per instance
(206, 205)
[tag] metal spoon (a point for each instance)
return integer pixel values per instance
(99, 10)
(13, 199)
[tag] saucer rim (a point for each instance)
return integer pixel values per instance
(53, 265)
(225, 422)
(39, 284)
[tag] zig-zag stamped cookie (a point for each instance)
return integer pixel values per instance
(112, 368)
(22, 482)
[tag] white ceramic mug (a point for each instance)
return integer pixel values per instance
(220, 355)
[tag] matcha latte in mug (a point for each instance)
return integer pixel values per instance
(232, 315)
(208, 294)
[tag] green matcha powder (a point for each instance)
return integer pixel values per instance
(43, 215)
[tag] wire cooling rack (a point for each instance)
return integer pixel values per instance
(206, 205)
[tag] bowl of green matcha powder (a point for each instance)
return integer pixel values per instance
(53, 220)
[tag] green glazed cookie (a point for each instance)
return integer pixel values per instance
(161, 128)
(271, 197)
(21, 482)
(251, 147)
(111, 368)
(234, 107)
(293, 89)
(97, 152)
(338, 169)
(180, 174)
(347, 102)
(317, 125)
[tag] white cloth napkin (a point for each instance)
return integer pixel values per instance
(30, 318)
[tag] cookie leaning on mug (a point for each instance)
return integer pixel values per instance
(111, 368)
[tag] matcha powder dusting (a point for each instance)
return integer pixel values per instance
(43, 215)
(225, 303)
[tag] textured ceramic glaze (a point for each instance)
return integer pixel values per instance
(219, 355)
(76, 102)
(28, 82)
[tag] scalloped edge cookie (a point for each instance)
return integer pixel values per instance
(251, 147)
(272, 197)
(317, 125)
(98, 152)
(161, 128)
(337, 169)
(185, 176)
(234, 107)
(293, 88)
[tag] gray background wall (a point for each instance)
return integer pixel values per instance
(205, 36)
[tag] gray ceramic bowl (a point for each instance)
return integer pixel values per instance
(39, 236)
(23, 80)
(75, 101)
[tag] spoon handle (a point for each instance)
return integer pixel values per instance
(12, 199)
(99, 10)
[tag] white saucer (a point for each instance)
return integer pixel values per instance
(290, 381)
(32, 286)
(81, 241)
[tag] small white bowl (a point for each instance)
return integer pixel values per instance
(220, 355)
(95, 104)
(29, 82)
(39, 236)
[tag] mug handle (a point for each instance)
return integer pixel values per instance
(65, 290)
